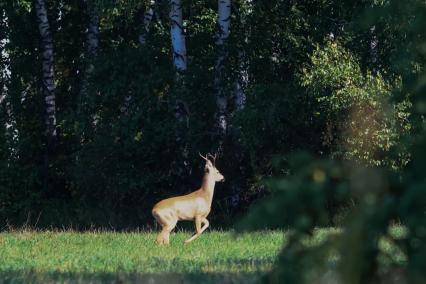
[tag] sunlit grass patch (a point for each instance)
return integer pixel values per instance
(104, 256)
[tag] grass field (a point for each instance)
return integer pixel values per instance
(113, 257)
(100, 257)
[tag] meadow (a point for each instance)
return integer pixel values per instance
(123, 257)
(28, 256)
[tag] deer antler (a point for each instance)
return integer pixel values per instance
(205, 158)
(214, 158)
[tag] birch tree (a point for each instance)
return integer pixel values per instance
(92, 30)
(48, 75)
(146, 20)
(242, 78)
(4, 56)
(181, 110)
(92, 40)
(177, 36)
(220, 82)
(374, 42)
(48, 83)
(179, 58)
(4, 70)
(238, 100)
(241, 82)
(92, 46)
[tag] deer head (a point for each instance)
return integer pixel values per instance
(210, 168)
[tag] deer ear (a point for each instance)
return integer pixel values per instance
(206, 169)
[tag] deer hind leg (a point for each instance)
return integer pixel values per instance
(198, 228)
(163, 238)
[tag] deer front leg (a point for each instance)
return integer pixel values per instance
(199, 229)
(206, 225)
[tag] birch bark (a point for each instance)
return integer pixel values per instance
(92, 46)
(147, 19)
(4, 56)
(177, 35)
(241, 81)
(220, 81)
(374, 42)
(92, 30)
(183, 166)
(48, 75)
(4, 70)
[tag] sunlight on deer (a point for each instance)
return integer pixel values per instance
(194, 206)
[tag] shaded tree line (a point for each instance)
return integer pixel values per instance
(105, 105)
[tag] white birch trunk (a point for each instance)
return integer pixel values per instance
(47, 71)
(92, 31)
(239, 152)
(241, 84)
(92, 46)
(5, 71)
(147, 19)
(92, 42)
(374, 42)
(223, 21)
(220, 82)
(48, 85)
(177, 35)
(242, 80)
(183, 166)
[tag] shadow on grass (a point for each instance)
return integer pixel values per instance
(127, 277)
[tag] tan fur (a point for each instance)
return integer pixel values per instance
(194, 206)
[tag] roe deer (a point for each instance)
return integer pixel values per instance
(193, 206)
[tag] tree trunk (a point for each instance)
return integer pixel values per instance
(374, 42)
(177, 35)
(48, 84)
(240, 85)
(47, 70)
(92, 30)
(220, 81)
(92, 41)
(92, 46)
(238, 152)
(147, 19)
(4, 56)
(183, 166)
(4, 71)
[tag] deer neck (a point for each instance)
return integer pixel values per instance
(208, 186)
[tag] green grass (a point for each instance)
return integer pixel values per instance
(97, 257)
(112, 257)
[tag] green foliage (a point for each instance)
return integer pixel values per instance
(302, 197)
(362, 123)
(382, 196)
(276, 120)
